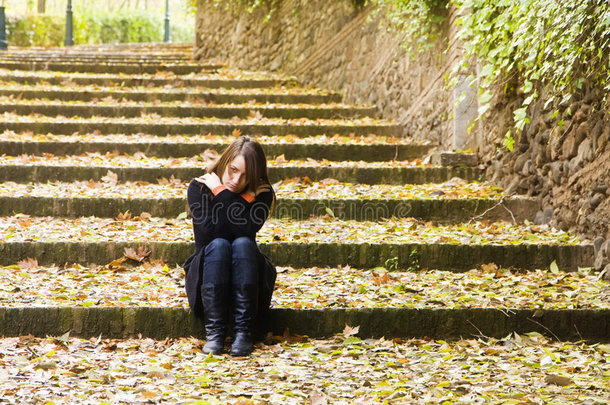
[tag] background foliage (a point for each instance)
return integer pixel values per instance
(552, 49)
(98, 21)
(534, 49)
(92, 28)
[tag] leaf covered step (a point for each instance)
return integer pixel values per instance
(199, 161)
(157, 125)
(294, 370)
(127, 68)
(130, 109)
(71, 91)
(455, 201)
(295, 188)
(227, 78)
(125, 283)
(21, 227)
(336, 147)
(139, 167)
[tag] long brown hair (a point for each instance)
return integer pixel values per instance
(256, 162)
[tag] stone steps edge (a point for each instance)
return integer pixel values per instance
(441, 211)
(391, 175)
(144, 81)
(67, 128)
(132, 111)
(591, 325)
(406, 256)
(332, 152)
(107, 68)
(139, 96)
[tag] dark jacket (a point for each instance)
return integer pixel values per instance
(224, 215)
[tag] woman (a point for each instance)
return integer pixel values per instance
(227, 274)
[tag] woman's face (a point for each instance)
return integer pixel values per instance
(234, 177)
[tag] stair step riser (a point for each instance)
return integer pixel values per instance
(449, 257)
(291, 151)
(107, 68)
(141, 81)
(122, 60)
(184, 111)
(68, 128)
(150, 97)
(441, 211)
(26, 174)
(447, 324)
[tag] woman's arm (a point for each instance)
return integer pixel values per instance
(200, 204)
(246, 214)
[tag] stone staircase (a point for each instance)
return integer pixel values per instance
(98, 144)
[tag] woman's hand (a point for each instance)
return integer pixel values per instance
(261, 189)
(211, 180)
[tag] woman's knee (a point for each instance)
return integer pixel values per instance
(243, 247)
(220, 248)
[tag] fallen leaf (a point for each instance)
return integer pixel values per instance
(558, 380)
(350, 331)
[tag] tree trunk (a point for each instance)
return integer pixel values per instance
(42, 6)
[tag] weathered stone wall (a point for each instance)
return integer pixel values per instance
(566, 165)
(337, 46)
(340, 47)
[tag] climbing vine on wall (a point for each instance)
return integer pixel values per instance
(419, 22)
(556, 45)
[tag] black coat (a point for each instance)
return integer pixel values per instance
(224, 215)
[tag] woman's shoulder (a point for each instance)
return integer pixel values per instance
(196, 187)
(265, 196)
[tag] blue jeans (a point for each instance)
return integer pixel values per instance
(231, 263)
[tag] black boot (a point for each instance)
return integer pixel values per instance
(215, 311)
(245, 306)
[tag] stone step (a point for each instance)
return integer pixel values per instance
(328, 293)
(129, 110)
(201, 95)
(441, 211)
(369, 148)
(91, 58)
(179, 69)
(365, 175)
(155, 125)
(449, 324)
(146, 48)
(323, 241)
(123, 81)
(155, 284)
(434, 255)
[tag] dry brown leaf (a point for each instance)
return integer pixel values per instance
(117, 262)
(489, 267)
(318, 398)
(281, 159)
(144, 216)
(138, 256)
(558, 380)
(350, 331)
(149, 394)
(28, 264)
(111, 178)
(125, 216)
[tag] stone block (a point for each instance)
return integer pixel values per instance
(448, 159)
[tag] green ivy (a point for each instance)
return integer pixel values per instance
(525, 45)
(556, 45)
(420, 22)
